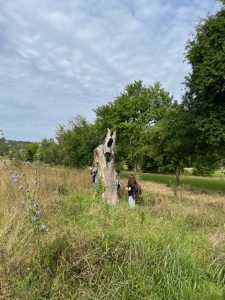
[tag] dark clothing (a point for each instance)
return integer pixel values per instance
(131, 192)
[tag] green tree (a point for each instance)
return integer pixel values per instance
(130, 114)
(205, 85)
(171, 140)
(77, 142)
(30, 151)
(49, 152)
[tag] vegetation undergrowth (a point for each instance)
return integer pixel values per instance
(169, 248)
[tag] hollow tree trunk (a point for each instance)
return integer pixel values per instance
(104, 156)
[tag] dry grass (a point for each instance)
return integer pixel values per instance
(189, 214)
(210, 198)
(53, 184)
(200, 212)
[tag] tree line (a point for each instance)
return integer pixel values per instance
(155, 133)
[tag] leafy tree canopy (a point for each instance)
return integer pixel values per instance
(205, 85)
(206, 54)
(131, 113)
(77, 142)
(49, 152)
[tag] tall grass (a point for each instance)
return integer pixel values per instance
(169, 248)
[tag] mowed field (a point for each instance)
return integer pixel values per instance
(215, 183)
(59, 240)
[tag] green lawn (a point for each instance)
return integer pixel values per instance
(219, 173)
(216, 184)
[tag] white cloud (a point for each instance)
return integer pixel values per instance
(59, 58)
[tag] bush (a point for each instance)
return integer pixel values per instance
(204, 168)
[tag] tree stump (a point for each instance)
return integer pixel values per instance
(104, 157)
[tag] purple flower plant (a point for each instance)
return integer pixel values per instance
(14, 177)
(34, 219)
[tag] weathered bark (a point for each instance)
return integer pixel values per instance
(104, 156)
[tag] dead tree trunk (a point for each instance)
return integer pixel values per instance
(104, 156)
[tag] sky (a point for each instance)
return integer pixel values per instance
(60, 58)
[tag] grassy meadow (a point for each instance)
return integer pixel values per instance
(216, 183)
(171, 247)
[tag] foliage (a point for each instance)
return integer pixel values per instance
(205, 165)
(18, 150)
(205, 85)
(100, 186)
(171, 141)
(49, 152)
(77, 142)
(21, 151)
(31, 151)
(149, 164)
(131, 113)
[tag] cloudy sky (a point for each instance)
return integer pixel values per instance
(59, 58)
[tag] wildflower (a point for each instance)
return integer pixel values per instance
(43, 227)
(37, 212)
(14, 177)
(34, 219)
